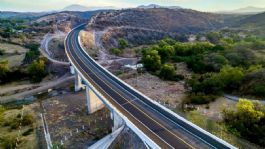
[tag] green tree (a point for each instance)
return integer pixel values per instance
(208, 84)
(231, 76)
(241, 57)
(4, 67)
(2, 51)
(151, 60)
(247, 120)
(258, 89)
(37, 70)
(167, 72)
(166, 52)
(196, 63)
(123, 43)
(182, 49)
(215, 61)
(116, 51)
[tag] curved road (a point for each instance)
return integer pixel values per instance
(158, 125)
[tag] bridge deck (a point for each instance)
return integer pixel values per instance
(161, 129)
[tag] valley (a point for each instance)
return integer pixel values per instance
(183, 59)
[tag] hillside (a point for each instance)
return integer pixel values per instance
(67, 19)
(21, 15)
(140, 26)
(254, 24)
(168, 20)
(253, 21)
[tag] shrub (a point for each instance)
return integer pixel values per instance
(28, 132)
(3, 68)
(247, 121)
(151, 60)
(27, 120)
(37, 70)
(116, 51)
(258, 90)
(8, 142)
(14, 124)
(167, 72)
(123, 43)
(2, 51)
(200, 98)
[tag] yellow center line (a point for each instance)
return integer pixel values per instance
(134, 105)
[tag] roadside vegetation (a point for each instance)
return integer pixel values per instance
(221, 65)
(247, 121)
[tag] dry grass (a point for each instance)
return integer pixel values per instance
(26, 142)
(88, 41)
(157, 89)
(13, 53)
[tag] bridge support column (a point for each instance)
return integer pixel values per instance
(117, 121)
(93, 102)
(78, 83)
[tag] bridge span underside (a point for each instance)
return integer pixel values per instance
(164, 129)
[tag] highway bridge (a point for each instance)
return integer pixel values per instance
(156, 125)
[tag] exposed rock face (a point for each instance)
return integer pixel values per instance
(146, 25)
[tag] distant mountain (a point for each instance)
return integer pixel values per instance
(21, 15)
(253, 21)
(246, 10)
(157, 6)
(250, 10)
(81, 8)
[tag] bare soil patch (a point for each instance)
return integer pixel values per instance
(67, 113)
(155, 88)
(56, 47)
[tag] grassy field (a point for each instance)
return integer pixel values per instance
(12, 127)
(13, 53)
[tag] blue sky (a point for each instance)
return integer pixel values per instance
(203, 5)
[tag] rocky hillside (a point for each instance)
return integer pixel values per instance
(146, 25)
(65, 20)
(168, 20)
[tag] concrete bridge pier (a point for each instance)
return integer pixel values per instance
(93, 102)
(117, 120)
(78, 83)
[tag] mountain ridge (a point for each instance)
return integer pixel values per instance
(245, 10)
(82, 8)
(158, 6)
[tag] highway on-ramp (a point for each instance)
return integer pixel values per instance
(157, 124)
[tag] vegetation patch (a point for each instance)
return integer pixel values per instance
(12, 124)
(226, 63)
(247, 121)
